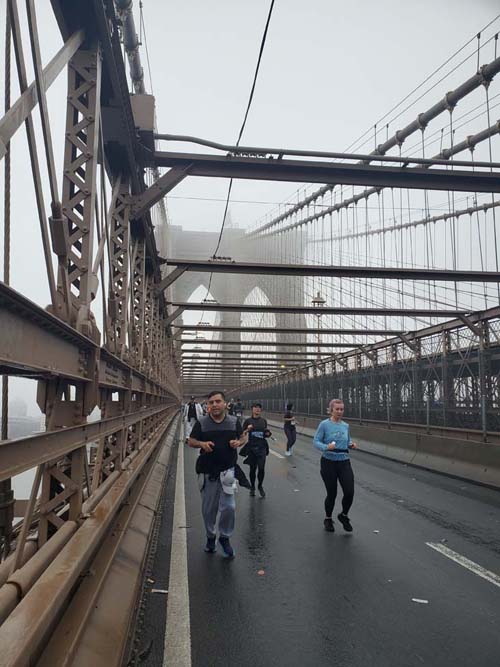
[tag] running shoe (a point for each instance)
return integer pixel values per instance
(227, 549)
(210, 546)
(252, 491)
(329, 527)
(344, 520)
(262, 492)
(288, 453)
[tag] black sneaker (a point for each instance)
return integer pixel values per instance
(328, 524)
(344, 520)
(262, 492)
(210, 546)
(252, 491)
(227, 549)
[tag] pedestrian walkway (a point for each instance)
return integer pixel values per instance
(381, 596)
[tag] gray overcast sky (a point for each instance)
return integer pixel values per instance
(329, 70)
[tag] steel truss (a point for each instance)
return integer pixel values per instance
(84, 470)
(446, 376)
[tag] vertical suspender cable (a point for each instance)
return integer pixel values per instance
(487, 90)
(6, 212)
(6, 496)
(30, 133)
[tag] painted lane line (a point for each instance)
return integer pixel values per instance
(278, 456)
(465, 562)
(177, 647)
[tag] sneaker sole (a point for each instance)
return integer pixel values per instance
(225, 555)
(347, 530)
(228, 556)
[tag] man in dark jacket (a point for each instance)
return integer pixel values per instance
(257, 447)
(218, 436)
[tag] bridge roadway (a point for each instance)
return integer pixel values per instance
(344, 599)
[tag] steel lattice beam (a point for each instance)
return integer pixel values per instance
(311, 310)
(310, 171)
(313, 270)
(290, 330)
(256, 343)
(279, 355)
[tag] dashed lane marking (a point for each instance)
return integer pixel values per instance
(278, 456)
(465, 562)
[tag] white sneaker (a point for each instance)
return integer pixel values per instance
(288, 453)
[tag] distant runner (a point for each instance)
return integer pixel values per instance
(257, 447)
(218, 435)
(334, 441)
(192, 412)
(238, 408)
(290, 429)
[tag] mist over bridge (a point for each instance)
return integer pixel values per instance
(377, 282)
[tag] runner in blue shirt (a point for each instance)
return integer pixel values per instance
(334, 441)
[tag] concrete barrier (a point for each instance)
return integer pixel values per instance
(474, 461)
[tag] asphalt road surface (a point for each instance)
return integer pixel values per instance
(381, 596)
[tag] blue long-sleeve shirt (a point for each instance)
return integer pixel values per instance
(329, 431)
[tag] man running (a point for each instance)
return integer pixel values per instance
(218, 436)
(257, 447)
(289, 428)
(238, 408)
(334, 441)
(192, 412)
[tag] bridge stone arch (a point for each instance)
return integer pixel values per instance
(227, 288)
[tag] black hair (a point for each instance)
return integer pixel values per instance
(257, 405)
(216, 391)
(289, 406)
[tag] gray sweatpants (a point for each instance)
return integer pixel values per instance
(213, 501)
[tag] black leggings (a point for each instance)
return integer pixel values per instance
(291, 436)
(331, 471)
(257, 463)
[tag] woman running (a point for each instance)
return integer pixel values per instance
(290, 429)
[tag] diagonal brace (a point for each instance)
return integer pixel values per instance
(468, 323)
(171, 278)
(143, 202)
(174, 316)
(411, 344)
(372, 356)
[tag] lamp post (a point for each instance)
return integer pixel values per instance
(318, 302)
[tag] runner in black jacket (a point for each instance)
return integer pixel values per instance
(257, 448)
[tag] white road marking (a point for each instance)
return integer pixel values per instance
(278, 456)
(465, 562)
(177, 647)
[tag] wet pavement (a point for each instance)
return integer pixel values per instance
(296, 595)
